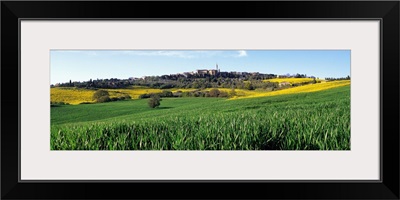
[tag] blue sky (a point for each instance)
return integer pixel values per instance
(82, 65)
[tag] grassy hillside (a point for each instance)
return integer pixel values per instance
(315, 120)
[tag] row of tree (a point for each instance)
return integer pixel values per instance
(101, 96)
(334, 79)
(249, 82)
(196, 93)
(229, 80)
(198, 83)
(99, 83)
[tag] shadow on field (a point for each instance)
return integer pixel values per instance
(231, 110)
(274, 101)
(162, 108)
(271, 146)
(253, 107)
(277, 145)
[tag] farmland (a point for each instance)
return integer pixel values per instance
(76, 96)
(309, 117)
(296, 90)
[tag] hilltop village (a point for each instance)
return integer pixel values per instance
(201, 73)
(198, 79)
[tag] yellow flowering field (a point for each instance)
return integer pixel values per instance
(299, 89)
(239, 92)
(290, 80)
(71, 95)
(78, 95)
(182, 90)
(134, 92)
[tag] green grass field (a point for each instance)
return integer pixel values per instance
(306, 121)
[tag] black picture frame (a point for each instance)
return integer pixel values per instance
(13, 11)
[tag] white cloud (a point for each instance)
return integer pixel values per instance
(242, 53)
(179, 54)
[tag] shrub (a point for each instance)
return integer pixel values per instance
(214, 93)
(154, 101)
(167, 93)
(187, 94)
(249, 86)
(232, 93)
(144, 96)
(56, 104)
(125, 96)
(223, 94)
(101, 96)
(177, 94)
(103, 99)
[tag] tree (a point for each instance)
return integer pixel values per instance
(314, 81)
(214, 92)
(195, 85)
(232, 93)
(167, 93)
(154, 101)
(249, 86)
(223, 94)
(101, 96)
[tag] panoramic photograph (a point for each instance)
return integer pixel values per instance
(200, 100)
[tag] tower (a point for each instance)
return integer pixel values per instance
(217, 67)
